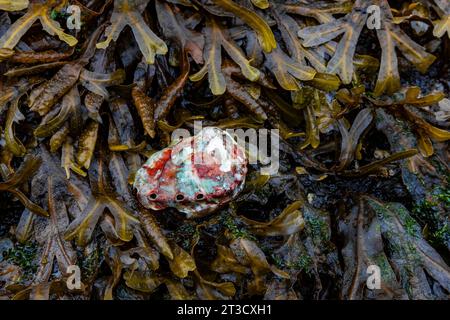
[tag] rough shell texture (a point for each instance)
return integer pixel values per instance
(195, 176)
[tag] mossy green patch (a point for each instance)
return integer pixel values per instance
(278, 261)
(316, 228)
(89, 264)
(411, 226)
(24, 256)
(184, 235)
(54, 15)
(443, 194)
(386, 270)
(236, 230)
(429, 211)
(304, 263)
(441, 235)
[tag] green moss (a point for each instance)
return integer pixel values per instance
(425, 210)
(237, 231)
(184, 235)
(441, 235)
(382, 212)
(187, 229)
(386, 271)
(90, 264)
(24, 256)
(430, 210)
(370, 94)
(443, 194)
(316, 228)
(54, 14)
(278, 261)
(444, 198)
(411, 226)
(425, 205)
(304, 263)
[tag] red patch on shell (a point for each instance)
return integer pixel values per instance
(160, 163)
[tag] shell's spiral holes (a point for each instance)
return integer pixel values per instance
(200, 196)
(153, 196)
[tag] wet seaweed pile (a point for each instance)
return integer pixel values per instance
(362, 114)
